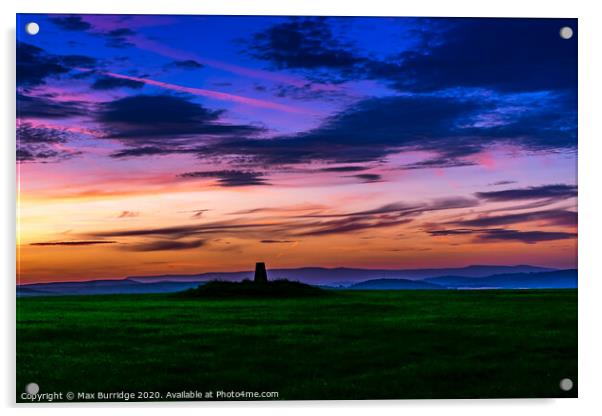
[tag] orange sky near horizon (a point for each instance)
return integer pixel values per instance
(280, 224)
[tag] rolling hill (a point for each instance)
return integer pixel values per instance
(471, 277)
(559, 279)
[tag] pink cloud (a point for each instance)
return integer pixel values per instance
(65, 128)
(62, 94)
(161, 49)
(486, 159)
(216, 95)
(105, 23)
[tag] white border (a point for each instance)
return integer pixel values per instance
(590, 139)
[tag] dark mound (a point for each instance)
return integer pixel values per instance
(247, 288)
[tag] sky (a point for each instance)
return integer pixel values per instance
(152, 144)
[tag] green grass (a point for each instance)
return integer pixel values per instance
(350, 345)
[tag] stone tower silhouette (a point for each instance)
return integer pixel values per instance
(261, 275)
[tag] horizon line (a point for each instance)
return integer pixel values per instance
(291, 268)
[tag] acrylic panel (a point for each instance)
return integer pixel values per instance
(295, 208)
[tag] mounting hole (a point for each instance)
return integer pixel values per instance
(566, 384)
(32, 388)
(32, 28)
(566, 32)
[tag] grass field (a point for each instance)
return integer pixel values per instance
(350, 345)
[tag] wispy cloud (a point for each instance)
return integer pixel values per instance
(501, 234)
(230, 178)
(110, 83)
(215, 95)
(556, 191)
(165, 245)
(549, 217)
(277, 241)
(300, 224)
(367, 177)
(42, 144)
(73, 243)
(162, 49)
(128, 214)
(501, 183)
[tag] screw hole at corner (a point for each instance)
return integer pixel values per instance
(566, 384)
(32, 28)
(566, 32)
(32, 388)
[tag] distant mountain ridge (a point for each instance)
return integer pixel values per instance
(521, 276)
(322, 275)
(558, 279)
